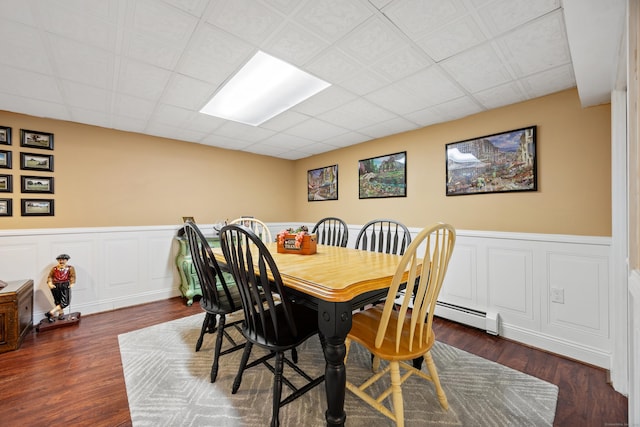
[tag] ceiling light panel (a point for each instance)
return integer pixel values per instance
(263, 88)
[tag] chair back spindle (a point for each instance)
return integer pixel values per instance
(384, 235)
(331, 231)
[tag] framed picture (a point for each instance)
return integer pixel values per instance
(37, 207)
(6, 207)
(502, 162)
(322, 184)
(384, 176)
(33, 139)
(36, 162)
(5, 135)
(6, 184)
(36, 184)
(5, 159)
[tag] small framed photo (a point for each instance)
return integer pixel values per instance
(6, 184)
(36, 162)
(322, 183)
(36, 184)
(5, 159)
(384, 176)
(5, 135)
(37, 207)
(6, 207)
(33, 139)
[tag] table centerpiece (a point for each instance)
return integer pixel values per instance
(297, 241)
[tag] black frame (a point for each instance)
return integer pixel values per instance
(8, 203)
(395, 184)
(7, 163)
(317, 183)
(24, 184)
(45, 144)
(48, 202)
(9, 180)
(23, 162)
(6, 131)
(498, 163)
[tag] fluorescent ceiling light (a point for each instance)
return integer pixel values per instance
(263, 88)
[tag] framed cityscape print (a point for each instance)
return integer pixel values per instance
(384, 176)
(322, 184)
(33, 139)
(6, 207)
(36, 162)
(502, 162)
(37, 207)
(5, 135)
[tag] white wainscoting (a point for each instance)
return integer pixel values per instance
(511, 275)
(115, 266)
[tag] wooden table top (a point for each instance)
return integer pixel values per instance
(333, 273)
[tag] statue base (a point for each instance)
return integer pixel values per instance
(68, 320)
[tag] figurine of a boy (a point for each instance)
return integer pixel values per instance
(61, 279)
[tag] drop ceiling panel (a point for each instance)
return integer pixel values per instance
(332, 19)
(418, 17)
(213, 54)
(464, 68)
(248, 19)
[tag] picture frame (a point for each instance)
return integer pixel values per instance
(36, 162)
(6, 207)
(497, 163)
(5, 159)
(383, 176)
(322, 184)
(37, 207)
(6, 183)
(36, 184)
(35, 139)
(5, 135)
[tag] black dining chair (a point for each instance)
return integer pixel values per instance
(331, 231)
(272, 321)
(384, 235)
(219, 297)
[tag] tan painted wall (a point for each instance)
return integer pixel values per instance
(574, 174)
(111, 178)
(105, 177)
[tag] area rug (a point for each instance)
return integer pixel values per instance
(168, 385)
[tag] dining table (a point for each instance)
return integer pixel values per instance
(335, 281)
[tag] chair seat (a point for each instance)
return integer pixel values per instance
(224, 307)
(306, 321)
(365, 326)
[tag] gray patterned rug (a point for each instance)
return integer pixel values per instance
(168, 385)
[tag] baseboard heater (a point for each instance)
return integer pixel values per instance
(489, 321)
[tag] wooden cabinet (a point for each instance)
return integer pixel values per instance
(16, 313)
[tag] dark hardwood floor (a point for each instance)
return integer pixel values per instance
(73, 376)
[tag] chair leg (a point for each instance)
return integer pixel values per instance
(436, 381)
(205, 328)
(294, 355)
(396, 393)
(277, 388)
(243, 364)
(216, 352)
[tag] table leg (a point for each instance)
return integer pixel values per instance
(334, 321)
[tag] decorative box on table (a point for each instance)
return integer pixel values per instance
(287, 245)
